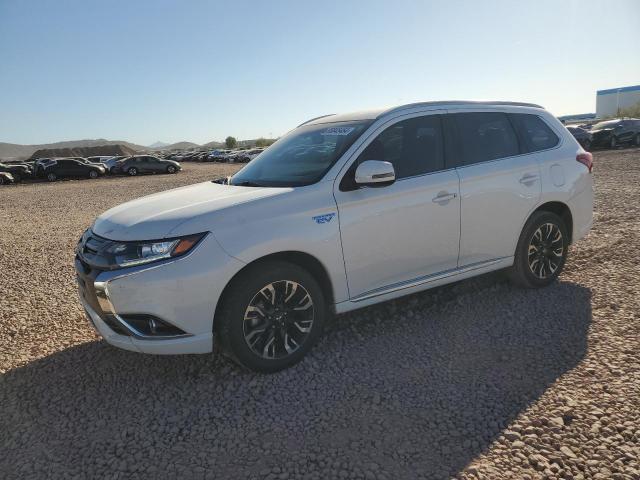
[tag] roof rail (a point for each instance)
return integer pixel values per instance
(458, 102)
(315, 118)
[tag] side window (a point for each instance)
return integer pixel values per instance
(534, 132)
(485, 136)
(413, 146)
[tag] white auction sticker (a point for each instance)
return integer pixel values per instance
(338, 131)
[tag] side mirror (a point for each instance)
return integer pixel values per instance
(375, 173)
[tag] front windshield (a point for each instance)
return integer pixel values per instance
(301, 157)
(601, 125)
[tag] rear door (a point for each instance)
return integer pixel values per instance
(499, 184)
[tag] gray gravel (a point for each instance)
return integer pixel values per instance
(475, 380)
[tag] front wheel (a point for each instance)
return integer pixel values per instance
(171, 169)
(541, 251)
(587, 145)
(637, 140)
(271, 316)
(613, 143)
(93, 174)
(52, 177)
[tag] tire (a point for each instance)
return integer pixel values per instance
(171, 169)
(52, 177)
(613, 143)
(246, 308)
(133, 171)
(587, 145)
(550, 255)
(2, 180)
(17, 177)
(93, 174)
(637, 140)
(112, 171)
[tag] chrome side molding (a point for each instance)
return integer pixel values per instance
(425, 279)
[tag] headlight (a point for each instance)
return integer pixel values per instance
(109, 254)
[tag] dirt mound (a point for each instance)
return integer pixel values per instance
(101, 150)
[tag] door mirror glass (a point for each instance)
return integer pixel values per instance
(375, 173)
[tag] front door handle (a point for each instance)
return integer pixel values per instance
(528, 179)
(444, 197)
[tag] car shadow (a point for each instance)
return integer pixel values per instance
(414, 388)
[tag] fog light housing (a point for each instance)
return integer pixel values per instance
(150, 326)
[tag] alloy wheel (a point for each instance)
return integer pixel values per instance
(278, 319)
(546, 250)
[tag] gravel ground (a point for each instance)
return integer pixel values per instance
(474, 380)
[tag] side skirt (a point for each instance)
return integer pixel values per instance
(419, 284)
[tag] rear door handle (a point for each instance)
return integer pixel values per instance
(528, 179)
(444, 197)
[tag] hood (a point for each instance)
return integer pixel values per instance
(155, 216)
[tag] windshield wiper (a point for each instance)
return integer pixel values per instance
(246, 183)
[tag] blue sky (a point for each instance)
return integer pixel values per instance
(144, 70)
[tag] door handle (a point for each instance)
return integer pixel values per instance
(444, 197)
(528, 179)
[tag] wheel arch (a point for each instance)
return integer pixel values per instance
(302, 259)
(562, 210)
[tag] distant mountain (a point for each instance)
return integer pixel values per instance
(213, 144)
(14, 151)
(9, 151)
(159, 145)
(178, 146)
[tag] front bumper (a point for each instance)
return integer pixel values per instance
(181, 292)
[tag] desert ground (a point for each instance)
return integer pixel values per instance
(478, 379)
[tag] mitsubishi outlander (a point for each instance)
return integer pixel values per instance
(342, 212)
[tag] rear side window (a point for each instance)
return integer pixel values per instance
(534, 132)
(413, 146)
(485, 136)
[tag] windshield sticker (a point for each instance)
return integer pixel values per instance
(338, 131)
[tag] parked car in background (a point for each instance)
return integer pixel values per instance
(39, 165)
(343, 212)
(111, 162)
(612, 133)
(581, 135)
(219, 155)
(71, 167)
(146, 164)
(17, 170)
(98, 159)
(248, 155)
(6, 178)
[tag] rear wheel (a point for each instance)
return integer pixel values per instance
(133, 171)
(52, 177)
(271, 316)
(541, 251)
(613, 143)
(2, 180)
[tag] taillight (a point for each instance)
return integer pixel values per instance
(586, 159)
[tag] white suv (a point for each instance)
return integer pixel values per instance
(342, 212)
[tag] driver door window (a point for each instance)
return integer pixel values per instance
(413, 146)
